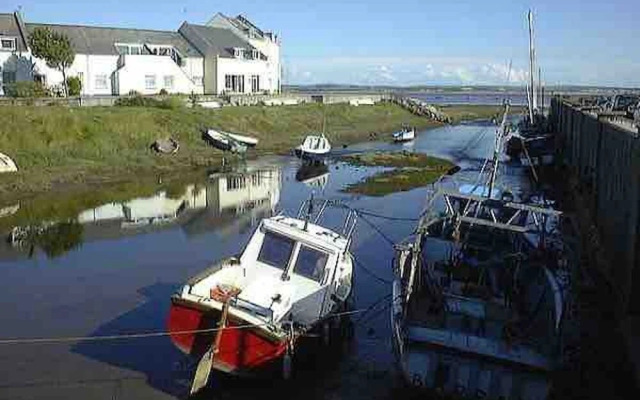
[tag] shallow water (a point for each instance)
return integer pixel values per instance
(112, 271)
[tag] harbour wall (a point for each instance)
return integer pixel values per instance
(604, 157)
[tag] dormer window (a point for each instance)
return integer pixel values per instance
(7, 43)
(238, 52)
(255, 54)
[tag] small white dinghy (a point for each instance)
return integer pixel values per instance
(293, 275)
(7, 164)
(405, 134)
(314, 148)
(229, 141)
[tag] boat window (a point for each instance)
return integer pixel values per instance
(311, 263)
(276, 250)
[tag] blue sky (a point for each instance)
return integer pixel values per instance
(404, 42)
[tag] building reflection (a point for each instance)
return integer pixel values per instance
(225, 203)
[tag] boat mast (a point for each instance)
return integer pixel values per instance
(533, 103)
(496, 151)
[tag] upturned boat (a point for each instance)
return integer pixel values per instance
(245, 314)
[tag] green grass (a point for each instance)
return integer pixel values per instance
(463, 112)
(413, 170)
(58, 146)
(398, 180)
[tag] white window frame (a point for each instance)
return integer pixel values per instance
(101, 82)
(255, 54)
(171, 80)
(12, 40)
(130, 47)
(238, 52)
(150, 82)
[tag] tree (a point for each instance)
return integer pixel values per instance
(55, 48)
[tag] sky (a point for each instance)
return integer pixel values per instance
(404, 42)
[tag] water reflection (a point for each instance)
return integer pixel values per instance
(314, 175)
(230, 202)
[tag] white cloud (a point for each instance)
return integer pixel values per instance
(402, 71)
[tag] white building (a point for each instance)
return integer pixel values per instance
(265, 42)
(219, 58)
(15, 60)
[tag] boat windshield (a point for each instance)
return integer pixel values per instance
(311, 263)
(276, 250)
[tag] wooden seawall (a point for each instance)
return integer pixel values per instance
(605, 158)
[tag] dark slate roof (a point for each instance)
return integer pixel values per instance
(11, 25)
(100, 41)
(212, 41)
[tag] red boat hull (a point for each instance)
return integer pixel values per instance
(242, 350)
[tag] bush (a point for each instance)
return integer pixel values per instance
(25, 89)
(163, 92)
(74, 84)
(171, 103)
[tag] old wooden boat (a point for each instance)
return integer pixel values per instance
(245, 314)
(479, 293)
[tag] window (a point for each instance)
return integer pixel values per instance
(168, 81)
(164, 51)
(101, 82)
(124, 48)
(234, 83)
(236, 182)
(150, 82)
(255, 54)
(276, 250)
(8, 77)
(311, 263)
(255, 83)
(238, 52)
(8, 44)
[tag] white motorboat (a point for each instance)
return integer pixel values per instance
(293, 276)
(313, 148)
(405, 134)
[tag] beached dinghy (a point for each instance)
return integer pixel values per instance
(405, 134)
(7, 164)
(293, 276)
(166, 146)
(229, 141)
(314, 148)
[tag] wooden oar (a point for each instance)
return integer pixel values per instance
(206, 362)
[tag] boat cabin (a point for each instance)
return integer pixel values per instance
(285, 270)
(316, 143)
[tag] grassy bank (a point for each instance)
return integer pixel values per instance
(58, 146)
(61, 147)
(465, 112)
(412, 170)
